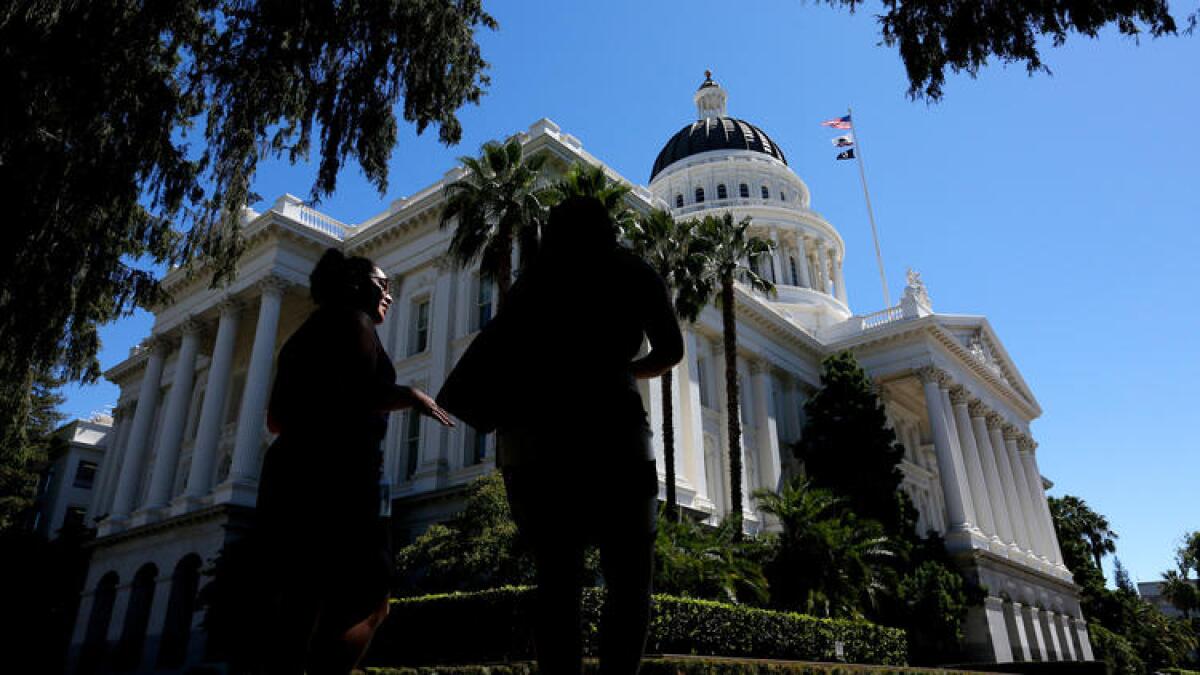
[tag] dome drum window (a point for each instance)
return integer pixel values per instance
(766, 194)
(721, 193)
(744, 191)
(699, 195)
(679, 201)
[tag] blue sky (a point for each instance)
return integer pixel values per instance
(1061, 207)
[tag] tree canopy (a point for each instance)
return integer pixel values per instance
(130, 132)
(934, 36)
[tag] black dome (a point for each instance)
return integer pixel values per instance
(715, 133)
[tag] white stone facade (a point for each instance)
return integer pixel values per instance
(190, 430)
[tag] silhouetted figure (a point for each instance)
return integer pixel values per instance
(574, 441)
(321, 524)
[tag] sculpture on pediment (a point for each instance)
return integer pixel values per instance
(915, 301)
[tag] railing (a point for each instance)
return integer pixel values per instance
(883, 316)
(292, 207)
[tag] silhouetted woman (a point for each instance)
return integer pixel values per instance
(319, 501)
(575, 441)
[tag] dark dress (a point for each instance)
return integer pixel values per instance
(319, 494)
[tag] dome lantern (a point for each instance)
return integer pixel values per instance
(709, 98)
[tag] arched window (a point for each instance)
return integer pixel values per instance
(721, 193)
(177, 627)
(699, 195)
(128, 655)
(95, 641)
(679, 201)
(766, 194)
(782, 197)
(744, 191)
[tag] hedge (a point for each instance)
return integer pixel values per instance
(494, 625)
(683, 666)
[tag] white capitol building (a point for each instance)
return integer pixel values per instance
(180, 472)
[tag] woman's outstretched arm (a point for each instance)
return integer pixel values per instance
(662, 329)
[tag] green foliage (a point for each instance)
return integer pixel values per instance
(474, 550)
(496, 205)
(28, 444)
(827, 561)
(848, 446)
(697, 561)
(132, 131)
(1115, 651)
(430, 630)
(936, 600)
(1074, 520)
(961, 35)
(589, 180)
(683, 665)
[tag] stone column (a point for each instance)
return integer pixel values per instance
(765, 425)
(212, 408)
(158, 617)
(1032, 524)
(248, 444)
(1040, 507)
(139, 436)
(174, 418)
(953, 476)
(991, 473)
(109, 465)
(1007, 481)
(780, 260)
(966, 439)
(1016, 632)
(1081, 636)
(692, 414)
(1050, 635)
(1064, 636)
(823, 267)
(839, 283)
(1033, 628)
(802, 266)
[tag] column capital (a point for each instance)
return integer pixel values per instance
(272, 284)
(1011, 433)
(977, 408)
(931, 374)
(757, 367)
(1026, 444)
(959, 395)
(191, 325)
(229, 305)
(994, 421)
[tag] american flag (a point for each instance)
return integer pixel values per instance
(838, 123)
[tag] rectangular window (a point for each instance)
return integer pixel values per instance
(701, 381)
(412, 442)
(795, 279)
(419, 337)
(484, 291)
(475, 448)
(85, 475)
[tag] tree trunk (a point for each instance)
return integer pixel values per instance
(504, 267)
(729, 329)
(668, 436)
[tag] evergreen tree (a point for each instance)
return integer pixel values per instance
(1121, 575)
(130, 132)
(28, 446)
(962, 35)
(848, 447)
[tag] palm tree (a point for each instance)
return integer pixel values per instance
(730, 249)
(589, 180)
(1074, 519)
(679, 255)
(827, 560)
(496, 204)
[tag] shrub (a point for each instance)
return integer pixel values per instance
(681, 666)
(494, 625)
(1115, 651)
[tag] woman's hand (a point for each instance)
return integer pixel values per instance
(425, 405)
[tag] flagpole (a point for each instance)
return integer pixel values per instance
(862, 172)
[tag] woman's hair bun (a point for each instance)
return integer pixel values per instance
(329, 278)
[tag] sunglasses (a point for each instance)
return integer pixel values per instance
(383, 283)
